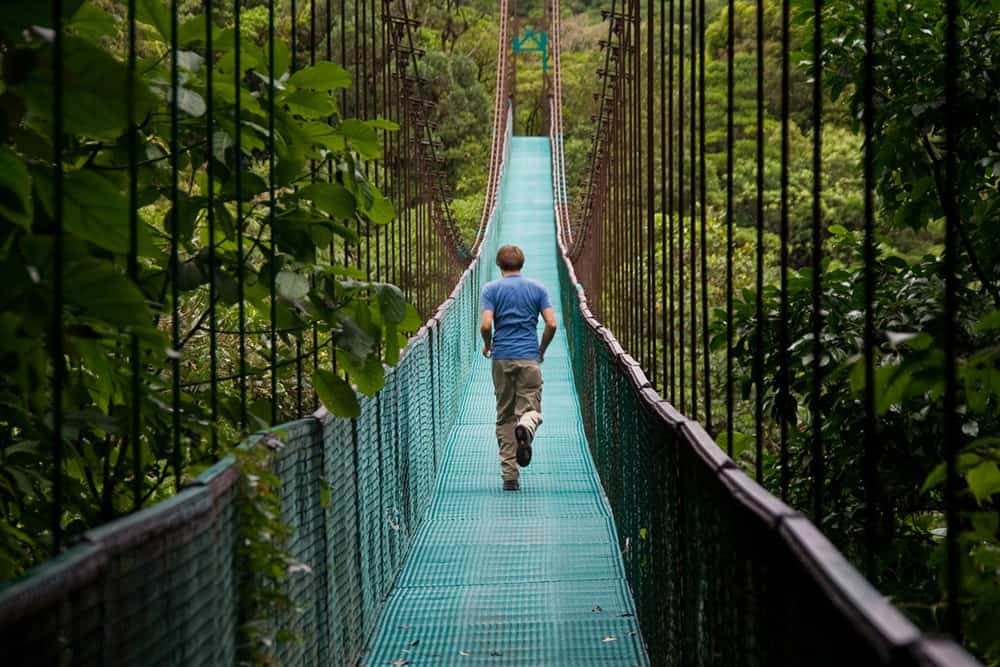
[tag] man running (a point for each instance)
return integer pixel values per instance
(511, 306)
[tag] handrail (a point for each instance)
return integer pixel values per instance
(501, 113)
(563, 229)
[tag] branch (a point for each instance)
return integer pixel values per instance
(143, 163)
(164, 471)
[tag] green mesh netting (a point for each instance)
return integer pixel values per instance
(156, 588)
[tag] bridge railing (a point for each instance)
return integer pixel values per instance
(723, 572)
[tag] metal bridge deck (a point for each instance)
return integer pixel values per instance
(527, 578)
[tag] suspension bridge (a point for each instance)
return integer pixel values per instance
(634, 540)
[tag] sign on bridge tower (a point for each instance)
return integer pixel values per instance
(534, 41)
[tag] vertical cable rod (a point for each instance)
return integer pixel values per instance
(816, 389)
(58, 356)
(135, 365)
(758, 360)
(175, 325)
(869, 442)
(784, 380)
(952, 422)
(730, 330)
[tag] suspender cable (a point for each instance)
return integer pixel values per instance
(240, 226)
(783, 370)
(58, 357)
(272, 213)
(952, 432)
(650, 201)
(816, 389)
(135, 366)
(670, 209)
(665, 196)
(758, 361)
(692, 209)
(213, 343)
(730, 80)
(299, 358)
(870, 439)
(175, 323)
(705, 365)
(680, 203)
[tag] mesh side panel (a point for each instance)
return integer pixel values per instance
(299, 465)
(343, 582)
(155, 588)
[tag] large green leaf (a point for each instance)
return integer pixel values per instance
(91, 22)
(383, 124)
(984, 480)
(156, 14)
(391, 303)
(95, 289)
(188, 101)
(381, 211)
(322, 134)
(100, 381)
(95, 210)
(411, 321)
(322, 76)
(332, 198)
(366, 373)
(15, 189)
(310, 103)
(362, 137)
(292, 286)
(353, 337)
(335, 394)
(95, 85)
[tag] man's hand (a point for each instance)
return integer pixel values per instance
(549, 315)
(486, 330)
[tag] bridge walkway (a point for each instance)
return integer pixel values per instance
(527, 578)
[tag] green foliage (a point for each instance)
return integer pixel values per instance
(289, 240)
(263, 541)
(909, 380)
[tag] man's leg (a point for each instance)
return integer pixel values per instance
(504, 387)
(528, 408)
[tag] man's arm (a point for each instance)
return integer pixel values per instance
(486, 330)
(549, 315)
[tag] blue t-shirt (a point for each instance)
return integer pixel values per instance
(516, 302)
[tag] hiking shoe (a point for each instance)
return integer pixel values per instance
(523, 437)
(511, 485)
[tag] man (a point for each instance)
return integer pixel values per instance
(511, 306)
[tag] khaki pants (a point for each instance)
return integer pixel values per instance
(518, 388)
